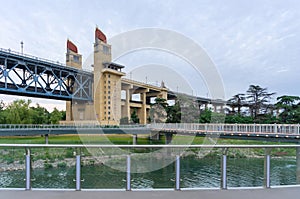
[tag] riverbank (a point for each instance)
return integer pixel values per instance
(13, 159)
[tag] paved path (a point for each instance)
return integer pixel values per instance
(274, 193)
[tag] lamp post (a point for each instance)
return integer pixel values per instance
(22, 45)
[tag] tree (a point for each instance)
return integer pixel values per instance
(19, 112)
(174, 113)
(257, 98)
(134, 117)
(2, 113)
(55, 116)
(238, 101)
(290, 108)
(158, 111)
(40, 115)
(205, 116)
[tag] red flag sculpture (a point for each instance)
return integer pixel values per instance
(71, 46)
(100, 35)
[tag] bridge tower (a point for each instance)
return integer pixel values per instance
(77, 110)
(107, 83)
(73, 59)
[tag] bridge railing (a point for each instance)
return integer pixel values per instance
(35, 58)
(63, 126)
(237, 128)
(129, 152)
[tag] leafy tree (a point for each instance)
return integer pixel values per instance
(19, 112)
(205, 116)
(290, 108)
(238, 101)
(134, 117)
(55, 116)
(241, 119)
(2, 113)
(40, 115)
(257, 98)
(174, 113)
(158, 111)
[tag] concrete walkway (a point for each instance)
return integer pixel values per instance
(274, 193)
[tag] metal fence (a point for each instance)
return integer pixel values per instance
(223, 159)
(237, 128)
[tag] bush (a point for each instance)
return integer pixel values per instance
(62, 165)
(9, 160)
(48, 165)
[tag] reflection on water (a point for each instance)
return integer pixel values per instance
(195, 173)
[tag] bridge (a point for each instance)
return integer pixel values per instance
(101, 94)
(266, 132)
(26, 75)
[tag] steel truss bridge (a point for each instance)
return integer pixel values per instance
(35, 77)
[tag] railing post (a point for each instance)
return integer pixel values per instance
(128, 176)
(177, 167)
(78, 173)
(46, 138)
(267, 169)
(224, 169)
(28, 170)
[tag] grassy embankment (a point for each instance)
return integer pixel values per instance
(9, 154)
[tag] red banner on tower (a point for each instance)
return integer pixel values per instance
(100, 35)
(71, 46)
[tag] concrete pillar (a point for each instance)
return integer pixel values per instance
(215, 108)
(134, 139)
(143, 115)
(46, 138)
(168, 138)
(298, 164)
(69, 116)
(127, 103)
(154, 136)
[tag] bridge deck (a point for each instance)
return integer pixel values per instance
(274, 193)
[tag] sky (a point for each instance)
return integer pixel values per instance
(249, 42)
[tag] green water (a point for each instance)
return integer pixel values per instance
(195, 173)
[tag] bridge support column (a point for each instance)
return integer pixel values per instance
(134, 139)
(168, 138)
(46, 138)
(127, 103)
(298, 164)
(28, 170)
(143, 118)
(154, 136)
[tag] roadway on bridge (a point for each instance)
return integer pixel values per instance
(274, 193)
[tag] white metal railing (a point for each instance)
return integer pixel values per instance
(62, 126)
(187, 127)
(223, 177)
(38, 58)
(236, 128)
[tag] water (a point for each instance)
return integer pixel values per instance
(195, 173)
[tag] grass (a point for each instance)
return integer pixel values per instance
(9, 155)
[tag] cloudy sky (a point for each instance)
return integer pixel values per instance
(250, 42)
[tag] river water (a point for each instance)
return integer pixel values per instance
(195, 173)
